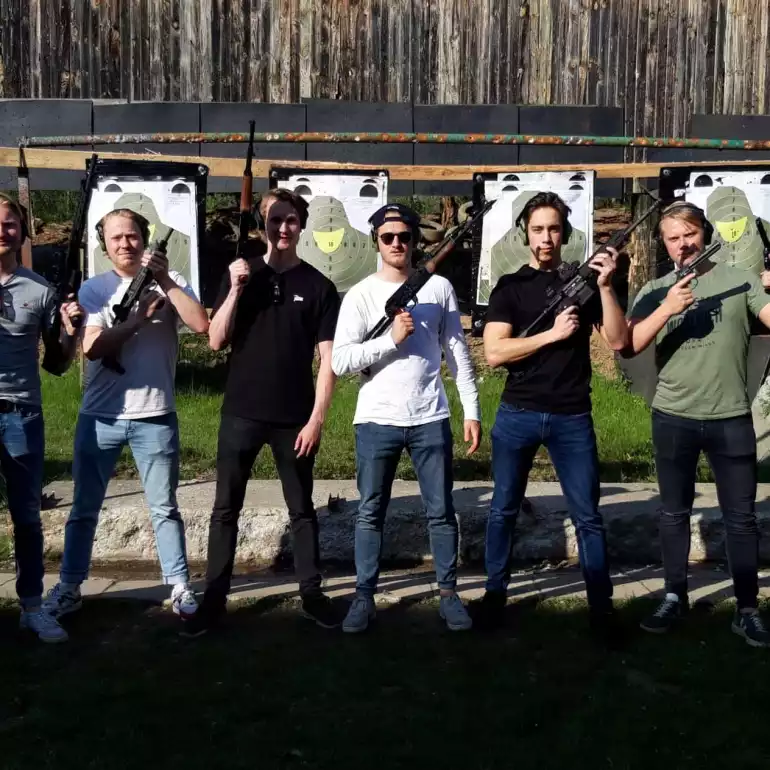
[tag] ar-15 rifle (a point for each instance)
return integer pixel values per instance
(765, 244)
(72, 275)
(138, 286)
(579, 283)
(406, 295)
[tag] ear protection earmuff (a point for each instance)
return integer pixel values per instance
(566, 227)
(144, 227)
(708, 228)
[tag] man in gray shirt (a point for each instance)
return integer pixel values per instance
(28, 309)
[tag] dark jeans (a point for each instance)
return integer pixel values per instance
(239, 443)
(571, 442)
(21, 460)
(378, 450)
(731, 448)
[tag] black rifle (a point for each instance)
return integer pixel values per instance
(578, 283)
(405, 296)
(72, 274)
(247, 197)
(683, 272)
(136, 289)
(765, 244)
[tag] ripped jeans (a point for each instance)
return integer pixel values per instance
(731, 449)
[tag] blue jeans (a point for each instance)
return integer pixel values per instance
(571, 443)
(154, 443)
(378, 450)
(21, 459)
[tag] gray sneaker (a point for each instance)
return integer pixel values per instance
(59, 602)
(360, 613)
(44, 625)
(453, 611)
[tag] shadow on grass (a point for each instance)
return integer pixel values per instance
(271, 689)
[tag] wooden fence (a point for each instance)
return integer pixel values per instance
(660, 60)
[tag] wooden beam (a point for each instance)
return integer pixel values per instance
(75, 160)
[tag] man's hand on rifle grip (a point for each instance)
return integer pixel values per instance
(565, 324)
(239, 273)
(72, 315)
(403, 326)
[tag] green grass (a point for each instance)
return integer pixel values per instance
(271, 691)
(622, 425)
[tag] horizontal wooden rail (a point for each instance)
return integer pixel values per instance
(75, 160)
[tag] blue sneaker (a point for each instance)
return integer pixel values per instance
(359, 615)
(750, 626)
(453, 611)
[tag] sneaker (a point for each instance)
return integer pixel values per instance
(488, 614)
(750, 626)
(607, 629)
(60, 602)
(453, 611)
(361, 612)
(183, 601)
(204, 620)
(669, 611)
(321, 609)
(44, 625)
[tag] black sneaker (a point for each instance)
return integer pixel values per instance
(750, 626)
(201, 622)
(607, 628)
(669, 611)
(488, 612)
(322, 610)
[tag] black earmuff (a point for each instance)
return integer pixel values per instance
(708, 228)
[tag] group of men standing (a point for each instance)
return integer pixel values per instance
(274, 311)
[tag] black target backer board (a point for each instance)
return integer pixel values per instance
(334, 115)
(337, 239)
(230, 117)
(44, 117)
(167, 194)
(499, 247)
(463, 119)
(148, 118)
(574, 120)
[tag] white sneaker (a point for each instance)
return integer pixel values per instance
(183, 601)
(453, 611)
(59, 602)
(44, 625)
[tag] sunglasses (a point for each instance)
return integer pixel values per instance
(405, 236)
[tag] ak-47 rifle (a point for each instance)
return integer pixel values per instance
(247, 197)
(138, 286)
(579, 283)
(405, 296)
(72, 274)
(765, 244)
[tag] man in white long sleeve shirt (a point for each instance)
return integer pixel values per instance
(402, 405)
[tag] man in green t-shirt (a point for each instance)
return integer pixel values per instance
(700, 327)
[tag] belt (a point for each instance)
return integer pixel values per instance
(8, 406)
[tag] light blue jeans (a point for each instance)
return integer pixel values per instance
(154, 443)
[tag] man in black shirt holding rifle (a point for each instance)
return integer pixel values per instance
(547, 401)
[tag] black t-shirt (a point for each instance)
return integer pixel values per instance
(557, 378)
(273, 344)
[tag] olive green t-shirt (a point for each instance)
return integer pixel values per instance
(701, 354)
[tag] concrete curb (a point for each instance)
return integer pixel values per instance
(630, 512)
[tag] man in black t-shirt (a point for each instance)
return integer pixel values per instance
(547, 401)
(272, 311)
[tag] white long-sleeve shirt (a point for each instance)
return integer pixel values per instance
(404, 386)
